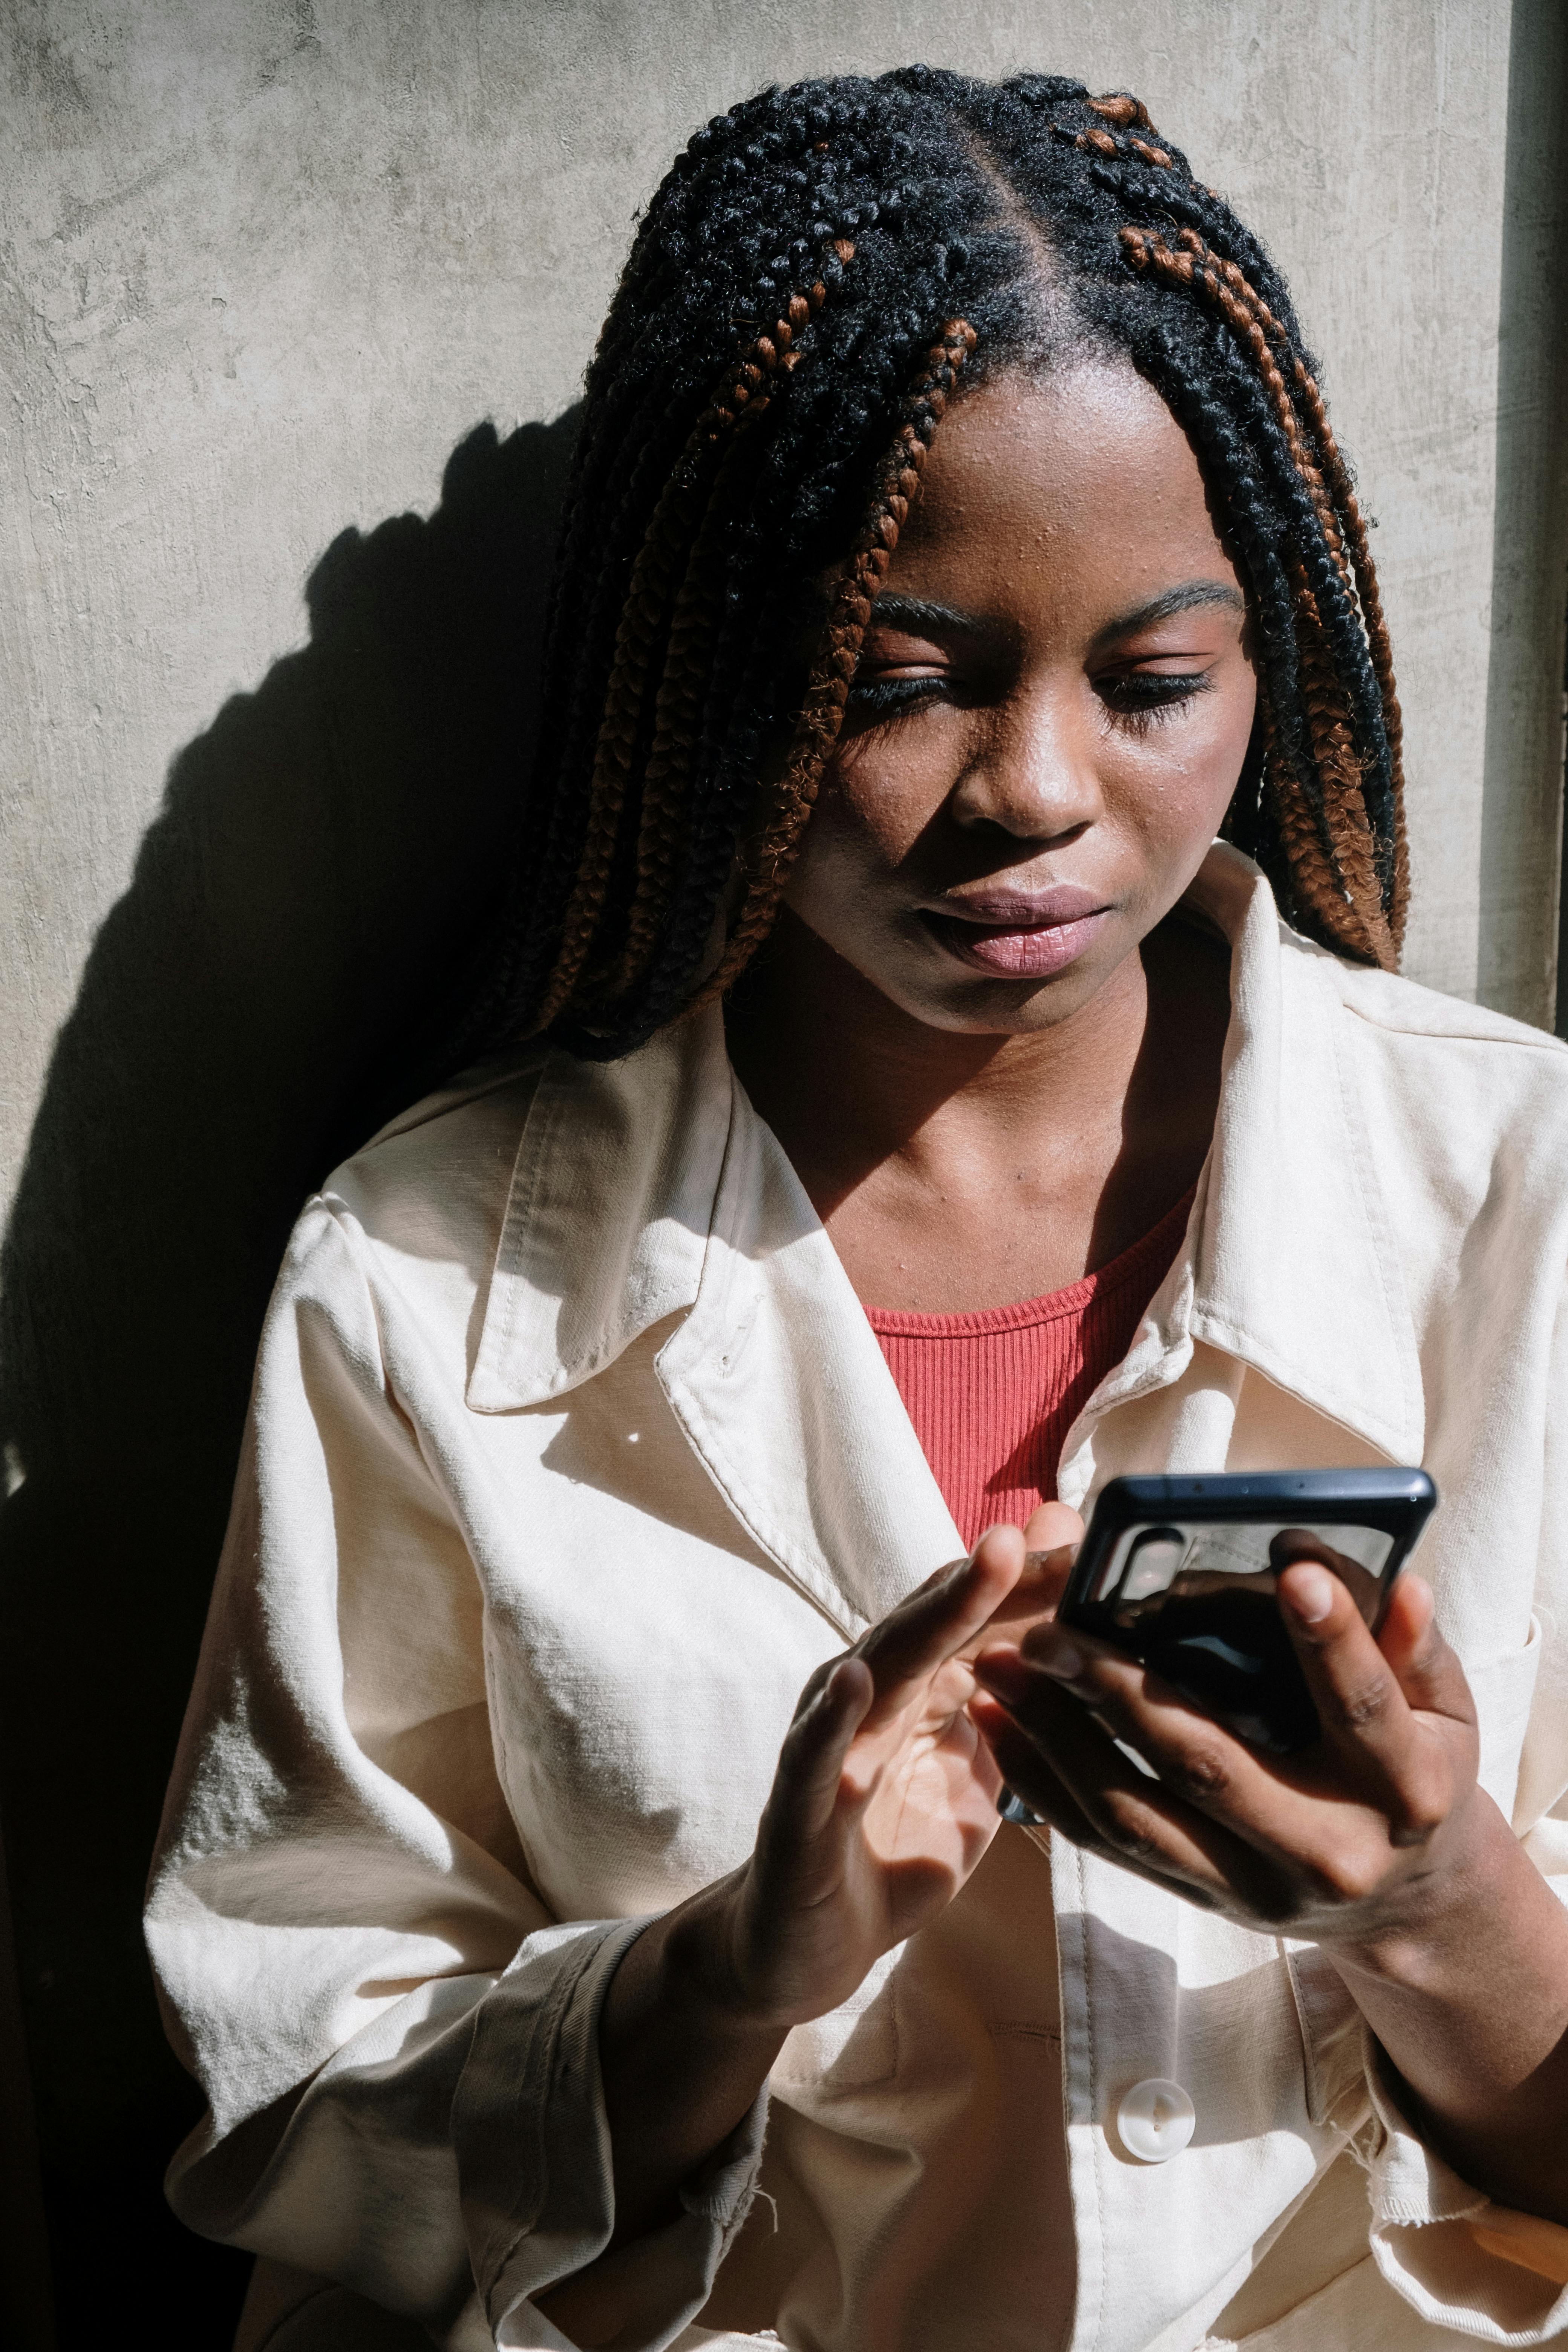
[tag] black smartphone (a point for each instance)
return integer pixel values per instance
(1181, 1573)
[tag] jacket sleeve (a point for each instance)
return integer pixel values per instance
(1464, 2262)
(398, 2044)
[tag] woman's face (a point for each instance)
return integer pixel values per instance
(1051, 712)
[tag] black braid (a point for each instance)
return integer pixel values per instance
(843, 228)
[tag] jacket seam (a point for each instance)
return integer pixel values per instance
(544, 2039)
(1096, 2133)
(518, 1215)
(1553, 1047)
(1369, 1192)
(443, 1102)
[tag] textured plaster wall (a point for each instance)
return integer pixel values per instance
(264, 265)
(267, 262)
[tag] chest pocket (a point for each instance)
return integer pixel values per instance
(1503, 1689)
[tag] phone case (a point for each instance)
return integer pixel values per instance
(1181, 1571)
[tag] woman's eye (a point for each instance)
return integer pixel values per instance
(884, 697)
(1141, 698)
(1137, 699)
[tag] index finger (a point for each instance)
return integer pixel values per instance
(1051, 1538)
(943, 1618)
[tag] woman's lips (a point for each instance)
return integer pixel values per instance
(1027, 941)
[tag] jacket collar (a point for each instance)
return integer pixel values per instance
(649, 1187)
(610, 1212)
(1296, 1265)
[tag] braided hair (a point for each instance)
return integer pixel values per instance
(820, 270)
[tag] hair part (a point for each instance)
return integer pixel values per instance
(816, 276)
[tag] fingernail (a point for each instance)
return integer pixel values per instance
(1063, 1662)
(1006, 1674)
(1310, 1593)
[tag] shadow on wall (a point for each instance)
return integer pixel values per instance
(260, 998)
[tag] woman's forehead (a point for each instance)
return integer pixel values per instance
(1085, 465)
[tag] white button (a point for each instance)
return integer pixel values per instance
(1155, 2120)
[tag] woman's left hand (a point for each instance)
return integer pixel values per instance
(1350, 1840)
(1376, 1842)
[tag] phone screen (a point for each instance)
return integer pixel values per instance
(1181, 1569)
(1153, 1564)
(1197, 1600)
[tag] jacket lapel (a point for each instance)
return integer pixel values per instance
(780, 1385)
(608, 1216)
(1296, 1265)
(1291, 1265)
(649, 1187)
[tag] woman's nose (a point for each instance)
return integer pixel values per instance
(1031, 770)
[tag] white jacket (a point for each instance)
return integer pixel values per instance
(572, 1453)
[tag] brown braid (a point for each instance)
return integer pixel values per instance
(665, 809)
(1350, 842)
(1255, 323)
(1120, 106)
(827, 691)
(676, 519)
(1311, 869)
(677, 710)
(697, 526)
(1337, 504)
(1129, 115)
(1378, 645)
(1229, 291)
(1344, 816)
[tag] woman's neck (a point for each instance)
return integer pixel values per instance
(956, 1171)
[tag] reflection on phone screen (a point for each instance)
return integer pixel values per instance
(1197, 1604)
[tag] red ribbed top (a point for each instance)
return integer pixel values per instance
(992, 1395)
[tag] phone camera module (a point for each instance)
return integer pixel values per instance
(1152, 1561)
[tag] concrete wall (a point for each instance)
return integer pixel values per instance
(267, 265)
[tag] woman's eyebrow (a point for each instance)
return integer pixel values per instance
(920, 617)
(913, 613)
(1188, 598)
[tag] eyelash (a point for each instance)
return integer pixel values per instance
(1137, 702)
(1154, 699)
(885, 698)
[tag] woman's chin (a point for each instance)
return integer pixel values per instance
(975, 1004)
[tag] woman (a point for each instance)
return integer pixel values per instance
(906, 1115)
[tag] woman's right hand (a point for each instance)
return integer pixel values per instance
(885, 1797)
(883, 1802)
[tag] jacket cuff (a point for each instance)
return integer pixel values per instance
(532, 2148)
(1462, 2262)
